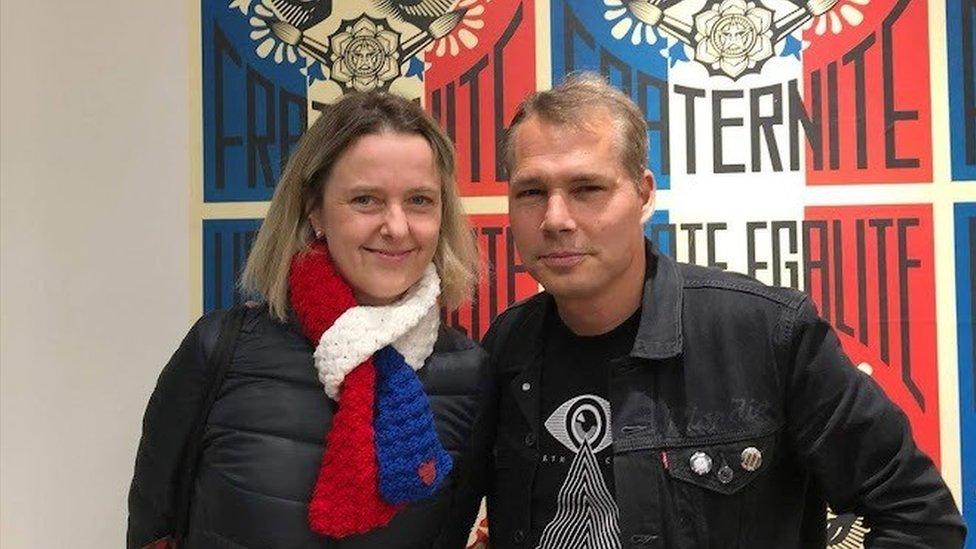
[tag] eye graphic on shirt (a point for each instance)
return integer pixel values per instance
(586, 513)
(579, 419)
(845, 531)
(586, 424)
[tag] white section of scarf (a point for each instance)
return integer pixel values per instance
(410, 325)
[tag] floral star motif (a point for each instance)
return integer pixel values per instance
(733, 36)
(364, 55)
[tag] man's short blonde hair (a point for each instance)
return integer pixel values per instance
(574, 102)
(286, 229)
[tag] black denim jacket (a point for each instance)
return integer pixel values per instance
(721, 363)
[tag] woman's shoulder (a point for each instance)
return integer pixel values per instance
(206, 330)
(452, 340)
(455, 365)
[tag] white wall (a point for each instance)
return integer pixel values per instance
(94, 168)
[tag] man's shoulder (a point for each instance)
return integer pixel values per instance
(733, 286)
(517, 314)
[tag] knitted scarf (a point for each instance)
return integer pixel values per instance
(382, 450)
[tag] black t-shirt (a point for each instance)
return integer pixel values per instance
(572, 497)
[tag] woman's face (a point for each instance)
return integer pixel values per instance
(381, 214)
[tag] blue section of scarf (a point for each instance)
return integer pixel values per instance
(412, 461)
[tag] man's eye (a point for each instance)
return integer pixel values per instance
(363, 200)
(588, 188)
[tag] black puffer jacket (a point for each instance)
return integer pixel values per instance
(263, 441)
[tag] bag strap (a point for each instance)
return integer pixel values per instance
(217, 365)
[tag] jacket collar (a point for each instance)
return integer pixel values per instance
(526, 360)
(659, 333)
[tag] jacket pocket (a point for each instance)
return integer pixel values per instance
(715, 485)
(724, 468)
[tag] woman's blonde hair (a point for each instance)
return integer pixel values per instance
(287, 231)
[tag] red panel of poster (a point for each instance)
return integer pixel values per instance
(474, 92)
(871, 271)
(867, 92)
(504, 282)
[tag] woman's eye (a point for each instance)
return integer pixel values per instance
(528, 193)
(421, 200)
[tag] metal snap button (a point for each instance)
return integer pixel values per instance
(751, 459)
(519, 536)
(700, 463)
(526, 386)
(725, 474)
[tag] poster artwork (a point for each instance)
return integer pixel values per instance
(772, 87)
(751, 106)
(965, 233)
(961, 42)
(271, 66)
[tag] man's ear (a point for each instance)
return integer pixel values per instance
(646, 190)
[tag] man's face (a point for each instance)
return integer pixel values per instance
(575, 212)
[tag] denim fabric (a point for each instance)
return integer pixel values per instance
(720, 364)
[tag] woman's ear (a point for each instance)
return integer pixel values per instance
(316, 223)
(313, 205)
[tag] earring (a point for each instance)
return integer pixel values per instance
(318, 234)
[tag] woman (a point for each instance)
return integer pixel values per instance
(346, 402)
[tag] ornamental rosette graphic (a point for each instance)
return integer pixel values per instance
(733, 37)
(364, 54)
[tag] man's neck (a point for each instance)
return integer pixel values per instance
(598, 314)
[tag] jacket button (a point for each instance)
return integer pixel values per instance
(530, 439)
(526, 386)
(519, 536)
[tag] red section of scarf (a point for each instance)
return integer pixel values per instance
(346, 499)
(317, 292)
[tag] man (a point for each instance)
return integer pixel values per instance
(639, 402)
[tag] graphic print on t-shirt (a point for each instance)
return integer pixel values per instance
(586, 512)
